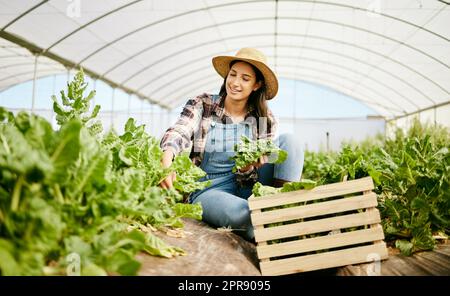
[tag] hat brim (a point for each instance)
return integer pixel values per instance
(222, 66)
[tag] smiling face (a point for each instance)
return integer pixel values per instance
(241, 81)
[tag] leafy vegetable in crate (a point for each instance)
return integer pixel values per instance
(263, 190)
(248, 152)
(260, 190)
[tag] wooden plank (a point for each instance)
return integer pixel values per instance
(320, 243)
(373, 225)
(320, 225)
(261, 244)
(323, 260)
(330, 190)
(316, 209)
(432, 262)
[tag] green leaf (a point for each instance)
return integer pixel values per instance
(156, 246)
(8, 265)
(122, 261)
(262, 190)
(93, 270)
(193, 211)
(248, 152)
(405, 247)
(303, 184)
(188, 175)
(66, 150)
(75, 244)
(6, 115)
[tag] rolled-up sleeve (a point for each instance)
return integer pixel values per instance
(178, 137)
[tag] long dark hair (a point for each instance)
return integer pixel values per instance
(257, 99)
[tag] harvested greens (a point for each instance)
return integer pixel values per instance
(248, 152)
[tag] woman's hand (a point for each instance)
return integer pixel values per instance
(261, 161)
(166, 161)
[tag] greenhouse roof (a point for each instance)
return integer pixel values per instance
(393, 56)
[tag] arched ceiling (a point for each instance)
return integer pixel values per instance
(393, 56)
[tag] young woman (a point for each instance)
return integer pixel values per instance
(210, 126)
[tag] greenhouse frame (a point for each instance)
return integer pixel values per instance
(364, 87)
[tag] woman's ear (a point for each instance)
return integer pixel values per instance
(257, 86)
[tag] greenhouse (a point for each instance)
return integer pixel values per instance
(104, 156)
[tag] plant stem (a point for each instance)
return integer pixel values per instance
(16, 193)
(86, 177)
(58, 193)
(60, 148)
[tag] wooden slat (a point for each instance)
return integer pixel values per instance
(323, 260)
(320, 225)
(319, 192)
(261, 244)
(316, 209)
(373, 225)
(320, 243)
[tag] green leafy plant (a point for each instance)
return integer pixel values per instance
(248, 152)
(259, 190)
(77, 191)
(411, 174)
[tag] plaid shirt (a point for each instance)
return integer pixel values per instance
(191, 128)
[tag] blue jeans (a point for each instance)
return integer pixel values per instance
(225, 204)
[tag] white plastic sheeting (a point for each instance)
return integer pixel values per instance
(329, 134)
(393, 56)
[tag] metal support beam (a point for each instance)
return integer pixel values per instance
(70, 64)
(419, 111)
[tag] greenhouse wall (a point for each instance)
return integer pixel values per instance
(329, 134)
(439, 115)
(310, 133)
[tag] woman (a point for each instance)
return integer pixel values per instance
(210, 125)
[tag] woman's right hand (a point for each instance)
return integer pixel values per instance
(261, 161)
(166, 161)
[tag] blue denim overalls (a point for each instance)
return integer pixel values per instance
(224, 202)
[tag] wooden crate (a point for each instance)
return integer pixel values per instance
(324, 218)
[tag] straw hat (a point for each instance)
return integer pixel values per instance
(251, 56)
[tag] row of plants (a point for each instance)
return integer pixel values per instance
(79, 194)
(411, 173)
